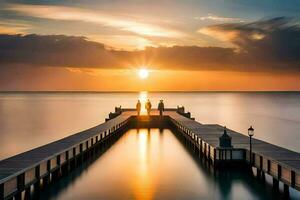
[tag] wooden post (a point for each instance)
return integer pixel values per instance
(279, 171)
(260, 162)
(258, 173)
(74, 157)
(263, 177)
(27, 193)
(1, 191)
(56, 174)
(205, 150)
(81, 152)
(20, 185)
(67, 162)
(215, 155)
(200, 147)
(250, 150)
(293, 178)
(92, 147)
(37, 177)
(286, 190)
(275, 184)
(46, 179)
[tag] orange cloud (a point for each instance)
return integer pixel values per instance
(218, 18)
(128, 42)
(215, 32)
(78, 14)
(13, 27)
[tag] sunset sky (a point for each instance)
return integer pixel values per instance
(89, 45)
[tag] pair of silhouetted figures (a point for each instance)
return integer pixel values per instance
(148, 107)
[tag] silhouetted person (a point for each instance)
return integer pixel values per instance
(148, 106)
(161, 107)
(138, 107)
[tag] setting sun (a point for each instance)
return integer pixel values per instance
(143, 73)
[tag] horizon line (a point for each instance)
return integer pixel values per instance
(150, 91)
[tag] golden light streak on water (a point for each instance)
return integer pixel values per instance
(143, 186)
(143, 96)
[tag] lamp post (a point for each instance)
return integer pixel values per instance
(250, 133)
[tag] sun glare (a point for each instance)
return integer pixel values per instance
(143, 73)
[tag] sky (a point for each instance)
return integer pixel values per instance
(186, 45)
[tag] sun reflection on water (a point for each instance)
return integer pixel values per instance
(143, 96)
(143, 184)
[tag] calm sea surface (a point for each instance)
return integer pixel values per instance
(146, 164)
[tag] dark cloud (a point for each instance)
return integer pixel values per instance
(53, 50)
(265, 45)
(69, 51)
(271, 43)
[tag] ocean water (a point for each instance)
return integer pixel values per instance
(46, 117)
(140, 165)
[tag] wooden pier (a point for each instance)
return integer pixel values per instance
(18, 174)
